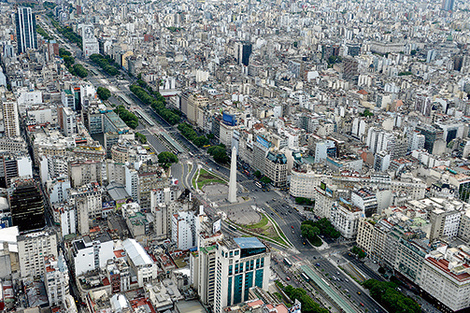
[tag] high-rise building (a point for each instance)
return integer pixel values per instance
(244, 52)
(26, 205)
(241, 263)
(90, 43)
(448, 5)
(56, 279)
(350, 70)
(26, 29)
(32, 248)
(10, 118)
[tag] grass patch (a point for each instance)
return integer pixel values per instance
(206, 178)
(264, 229)
(261, 224)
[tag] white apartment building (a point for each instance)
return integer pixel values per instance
(345, 218)
(241, 263)
(184, 230)
(145, 268)
(88, 254)
(32, 248)
(56, 279)
(10, 118)
(446, 277)
(302, 184)
(324, 201)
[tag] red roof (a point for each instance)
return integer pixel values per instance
(444, 266)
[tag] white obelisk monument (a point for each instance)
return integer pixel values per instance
(232, 185)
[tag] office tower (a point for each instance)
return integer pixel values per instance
(244, 52)
(26, 205)
(232, 186)
(26, 30)
(448, 5)
(32, 248)
(241, 263)
(10, 118)
(350, 71)
(90, 43)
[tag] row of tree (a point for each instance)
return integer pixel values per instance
(159, 106)
(389, 297)
(106, 63)
(358, 251)
(308, 304)
(129, 118)
(264, 179)
(66, 31)
(103, 93)
(69, 62)
(188, 132)
(43, 33)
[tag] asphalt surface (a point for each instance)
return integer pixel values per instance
(286, 216)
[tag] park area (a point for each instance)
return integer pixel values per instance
(257, 224)
(204, 178)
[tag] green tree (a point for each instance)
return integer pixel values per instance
(211, 136)
(80, 71)
(127, 117)
(413, 52)
(265, 180)
(166, 159)
(103, 93)
(219, 153)
(257, 174)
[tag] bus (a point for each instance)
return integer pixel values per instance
(258, 184)
(287, 262)
(305, 276)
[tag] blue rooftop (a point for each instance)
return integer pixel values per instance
(248, 243)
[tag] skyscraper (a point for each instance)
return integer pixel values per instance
(448, 5)
(26, 29)
(26, 205)
(241, 263)
(10, 117)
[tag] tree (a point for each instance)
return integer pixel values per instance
(80, 71)
(257, 174)
(413, 52)
(103, 93)
(211, 136)
(359, 252)
(265, 180)
(219, 153)
(166, 159)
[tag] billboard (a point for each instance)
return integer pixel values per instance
(216, 226)
(263, 141)
(229, 119)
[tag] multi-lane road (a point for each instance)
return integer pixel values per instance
(272, 202)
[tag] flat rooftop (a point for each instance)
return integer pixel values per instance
(248, 243)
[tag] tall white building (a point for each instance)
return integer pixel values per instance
(184, 230)
(90, 43)
(88, 254)
(10, 118)
(32, 248)
(56, 279)
(345, 219)
(241, 263)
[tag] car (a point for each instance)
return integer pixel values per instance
(293, 231)
(317, 264)
(359, 293)
(292, 227)
(362, 304)
(337, 273)
(288, 278)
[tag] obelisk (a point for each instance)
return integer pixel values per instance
(232, 185)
